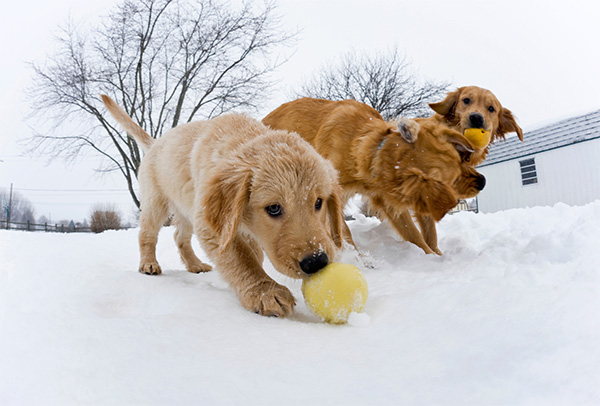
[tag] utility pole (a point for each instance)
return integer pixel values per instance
(9, 208)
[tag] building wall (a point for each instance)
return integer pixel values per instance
(569, 174)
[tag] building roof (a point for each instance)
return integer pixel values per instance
(566, 132)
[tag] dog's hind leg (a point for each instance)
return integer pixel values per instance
(152, 217)
(183, 239)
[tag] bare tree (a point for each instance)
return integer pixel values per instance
(165, 61)
(383, 81)
(18, 208)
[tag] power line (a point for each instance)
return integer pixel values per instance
(77, 204)
(76, 190)
(65, 193)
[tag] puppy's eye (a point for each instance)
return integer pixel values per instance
(318, 204)
(274, 210)
(491, 109)
(466, 100)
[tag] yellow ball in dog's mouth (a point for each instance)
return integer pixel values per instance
(478, 137)
(336, 291)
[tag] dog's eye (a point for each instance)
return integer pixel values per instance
(466, 100)
(318, 204)
(491, 109)
(274, 210)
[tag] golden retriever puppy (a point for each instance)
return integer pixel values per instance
(474, 107)
(399, 166)
(241, 188)
(468, 107)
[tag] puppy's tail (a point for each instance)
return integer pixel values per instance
(142, 137)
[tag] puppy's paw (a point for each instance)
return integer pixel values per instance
(198, 267)
(409, 129)
(150, 268)
(269, 298)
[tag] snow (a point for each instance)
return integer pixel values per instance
(508, 315)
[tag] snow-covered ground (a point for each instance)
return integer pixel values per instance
(509, 315)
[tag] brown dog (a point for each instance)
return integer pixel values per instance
(242, 188)
(474, 107)
(385, 161)
(468, 107)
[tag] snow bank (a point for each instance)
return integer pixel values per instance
(509, 315)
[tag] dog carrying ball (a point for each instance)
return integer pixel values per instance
(336, 291)
(478, 137)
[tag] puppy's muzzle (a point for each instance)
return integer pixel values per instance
(314, 262)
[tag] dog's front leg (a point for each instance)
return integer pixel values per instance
(404, 225)
(241, 267)
(427, 224)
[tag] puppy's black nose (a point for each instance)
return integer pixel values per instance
(314, 262)
(476, 120)
(480, 183)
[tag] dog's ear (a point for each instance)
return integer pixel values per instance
(436, 199)
(407, 129)
(335, 208)
(430, 196)
(447, 106)
(462, 145)
(226, 197)
(507, 124)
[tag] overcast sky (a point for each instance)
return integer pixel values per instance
(541, 58)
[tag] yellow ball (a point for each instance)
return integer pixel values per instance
(478, 137)
(336, 291)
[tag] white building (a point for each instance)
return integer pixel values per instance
(556, 163)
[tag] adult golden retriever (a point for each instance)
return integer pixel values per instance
(241, 188)
(474, 107)
(399, 166)
(468, 107)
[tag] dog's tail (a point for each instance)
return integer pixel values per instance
(142, 137)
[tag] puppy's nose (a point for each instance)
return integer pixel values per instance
(476, 120)
(480, 183)
(314, 262)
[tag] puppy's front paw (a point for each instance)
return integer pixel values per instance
(409, 129)
(268, 298)
(150, 268)
(198, 267)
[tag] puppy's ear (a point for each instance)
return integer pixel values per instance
(335, 208)
(447, 106)
(507, 124)
(429, 196)
(227, 194)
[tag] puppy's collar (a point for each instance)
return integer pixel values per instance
(381, 145)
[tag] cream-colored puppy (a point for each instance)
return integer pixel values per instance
(241, 188)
